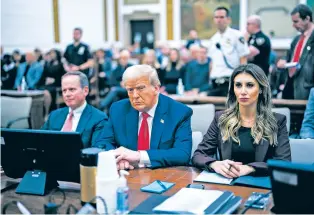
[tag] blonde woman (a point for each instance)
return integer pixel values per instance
(248, 133)
(174, 71)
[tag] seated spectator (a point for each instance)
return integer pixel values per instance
(149, 58)
(148, 129)
(78, 116)
(104, 65)
(162, 57)
(197, 74)
(247, 134)
(51, 78)
(117, 90)
(8, 72)
(193, 39)
(31, 70)
(18, 58)
(174, 71)
(307, 129)
(39, 56)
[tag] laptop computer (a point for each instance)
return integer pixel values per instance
(292, 187)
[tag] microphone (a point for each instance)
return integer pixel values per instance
(218, 46)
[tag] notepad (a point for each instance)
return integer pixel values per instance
(157, 187)
(212, 177)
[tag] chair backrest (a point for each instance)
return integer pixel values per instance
(13, 108)
(302, 150)
(197, 138)
(286, 112)
(202, 117)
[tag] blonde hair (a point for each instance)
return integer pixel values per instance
(179, 62)
(265, 126)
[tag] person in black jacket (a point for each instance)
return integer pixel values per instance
(174, 71)
(51, 78)
(8, 72)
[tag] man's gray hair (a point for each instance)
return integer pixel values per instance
(137, 71)
(83, 78)
(256, 19)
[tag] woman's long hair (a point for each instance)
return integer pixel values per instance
(179, 63)
(265, 126)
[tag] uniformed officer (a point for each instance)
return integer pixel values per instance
(259, 44)
(228, 50)
(77, 55)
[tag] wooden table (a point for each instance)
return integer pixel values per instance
(37, 114)
(182, 176)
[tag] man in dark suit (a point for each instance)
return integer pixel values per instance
(148, 129)
(300, 79)
(78, 115)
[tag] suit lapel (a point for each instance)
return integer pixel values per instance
(261, 150)
(84, 119)
(158, 122)
(61, 118)
(131, 123)
(306, 51)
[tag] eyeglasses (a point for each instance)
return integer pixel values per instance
(138, 89)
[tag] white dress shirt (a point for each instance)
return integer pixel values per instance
(233, 46)
(144, 160)
(77, 113)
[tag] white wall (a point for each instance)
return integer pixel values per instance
(26, 24)
(87, 14)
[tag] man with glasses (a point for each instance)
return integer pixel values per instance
(148, 129)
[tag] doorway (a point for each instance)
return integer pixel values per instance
(142, 33)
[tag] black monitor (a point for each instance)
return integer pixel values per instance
(40, 157)
(292, 187)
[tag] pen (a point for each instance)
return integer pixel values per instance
(161, 184)
(230, 167)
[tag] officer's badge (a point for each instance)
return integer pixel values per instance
(241, 39)
(260, 41)
(228, 41)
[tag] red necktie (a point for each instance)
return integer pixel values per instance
(143, 136)
(297, 54)
(68, 123)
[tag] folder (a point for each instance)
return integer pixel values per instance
(251, 181)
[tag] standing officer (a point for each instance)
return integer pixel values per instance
(228, 50)
(259, 44)
(77, 55)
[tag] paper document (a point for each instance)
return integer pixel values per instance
(189, 200)
(212, 177)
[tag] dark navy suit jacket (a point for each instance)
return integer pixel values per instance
(171, 136)
(90, 126)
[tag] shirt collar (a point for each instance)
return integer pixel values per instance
(152, 111)
(308, 32)
(79, 110)
(225, 32)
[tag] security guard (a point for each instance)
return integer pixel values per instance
(228, 50)
(259, 44)
(77, 55)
